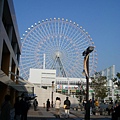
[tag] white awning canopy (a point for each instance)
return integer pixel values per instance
(22, 86)
(4, 78)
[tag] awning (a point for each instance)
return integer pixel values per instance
(4, 78)
(22, 86)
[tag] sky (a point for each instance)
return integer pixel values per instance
(100, 18)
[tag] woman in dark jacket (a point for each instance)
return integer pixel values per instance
(17, 109)
(67, 108)
(48, 105)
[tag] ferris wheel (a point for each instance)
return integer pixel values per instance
(56, 44)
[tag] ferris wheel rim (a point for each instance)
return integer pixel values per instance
(60, 35)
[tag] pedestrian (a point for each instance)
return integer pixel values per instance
(24, 106)
(48, 105)
(83, 103)
(17, 109)
(91, 106)
(67, 104)
(109, 108)
(5, 108)
(35, 104)
(116, 102)
(57, 107)
(96, 103)
(115, 112)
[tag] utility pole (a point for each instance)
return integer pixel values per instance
(52, 92)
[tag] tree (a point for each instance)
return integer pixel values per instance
(116, 80)
(98, 84)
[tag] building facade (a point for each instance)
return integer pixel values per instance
(110, 75)
(9, 50)
(44, 78)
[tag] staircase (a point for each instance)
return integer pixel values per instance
(44, 94)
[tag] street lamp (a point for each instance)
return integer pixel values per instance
(68, 87)
(86, 71)
(52, 92)
(79, 91)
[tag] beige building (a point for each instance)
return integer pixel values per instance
(9, 50)
(45, 77)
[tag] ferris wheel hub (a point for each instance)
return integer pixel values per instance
(58, 54)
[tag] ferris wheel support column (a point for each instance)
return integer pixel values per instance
(86, 69)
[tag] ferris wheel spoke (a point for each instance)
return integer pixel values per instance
(55, 27)
(72, 32)
(67, 28)
(49, 28)
(58, 33)
(75, 33)
(32, 43)
(43, 29)
(41, 34)
(78, 37)
(38, 36)
(46, 29)
(61, 26)
(64, 28)
(52, 28)
(34, 38)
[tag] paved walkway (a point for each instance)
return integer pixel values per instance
(42, 113)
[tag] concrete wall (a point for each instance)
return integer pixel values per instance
(44, 94)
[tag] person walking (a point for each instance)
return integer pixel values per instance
(17, 109)
(47, 105)
(5, 108)
(24, 106)
(110, 107)
(96, 103)
(67, 104)
(35, 104)
(91, 106)
(57, 107)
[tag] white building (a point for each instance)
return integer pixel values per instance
(110, 74)
(45, 77)
(42, 77)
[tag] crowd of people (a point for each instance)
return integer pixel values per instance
(5, 108)
(112, 108)
(21, 108)
(57, 106)
(22, 105)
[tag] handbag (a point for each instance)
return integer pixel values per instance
(64, 106)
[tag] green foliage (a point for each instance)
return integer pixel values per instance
(118, 75)
(117, 80)
(99, 86)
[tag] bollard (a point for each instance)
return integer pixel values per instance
(43, 105)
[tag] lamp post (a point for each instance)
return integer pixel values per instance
(79, 91)
(68, 87)
(92, 99)
(52, 92)
(86, 70)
